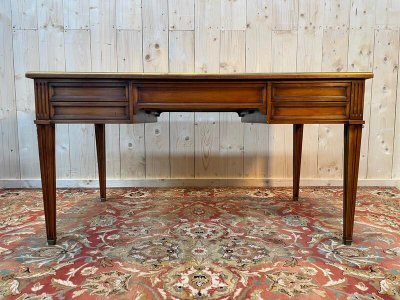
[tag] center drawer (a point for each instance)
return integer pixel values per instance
(202, 95)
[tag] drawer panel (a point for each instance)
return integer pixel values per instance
(309, 111)
(88, 111)
(187, 95)
(89, 91)
(311, 91)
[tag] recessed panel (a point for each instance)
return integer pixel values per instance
(201, 95)
(88, 91)
(291, 111)
(311, 91)
(88, 111)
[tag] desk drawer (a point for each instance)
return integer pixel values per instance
(287, 112)
(87, 111)
(309, 102)
(311, 91)
(106, 91)
(201, 95)
(89, 100)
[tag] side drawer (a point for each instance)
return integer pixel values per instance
(103, 91)
(308, 112)
(89, 100)
(201, 95)
(311, 91)
(88, 111)
(309, 102)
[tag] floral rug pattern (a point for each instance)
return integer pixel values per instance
(217, 243)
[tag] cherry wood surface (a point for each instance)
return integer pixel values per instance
(197, 76)
(123, 98)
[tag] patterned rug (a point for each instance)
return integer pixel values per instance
(222, 243)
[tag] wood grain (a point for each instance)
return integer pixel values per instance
(383, 104)
(76, 14)
(155, 59)
(334, 58)
(24, 14)
(309, 59)
(103, 49)
(181, 15)
(26, 47)
(52, 58)
(9, 150)
(360, 58)
(82, 150)
(128, 14)
(132, 141)
(181, 59)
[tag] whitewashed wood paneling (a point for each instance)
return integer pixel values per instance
(383, 103)
(181, 59)
(129, 14)
(103, 47)
(132, 142)
(155, 52)
(284, 45)
(181, 14)
(360, 58)
(9, 149)
(82, 145)
(24, 14)
(26, 49)
(76, 14)
(206, 36)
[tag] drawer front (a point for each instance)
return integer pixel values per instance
(88, 111)
(308, 112)
(309, 101)
(89, 101)
(200, 95)
(311, 91)
(107, 91)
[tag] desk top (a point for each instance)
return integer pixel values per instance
(195, 76)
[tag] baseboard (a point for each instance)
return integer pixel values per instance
(240, 182)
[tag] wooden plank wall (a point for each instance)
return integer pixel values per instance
(222, 36)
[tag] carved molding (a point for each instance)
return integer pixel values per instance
(357, 99)
(42, 100)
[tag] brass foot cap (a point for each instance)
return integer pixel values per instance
(51, 242)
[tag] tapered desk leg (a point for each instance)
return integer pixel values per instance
(352, 146)
(47, 157)
(101, 158)
(297, 147)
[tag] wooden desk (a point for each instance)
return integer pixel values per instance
(122, 98)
